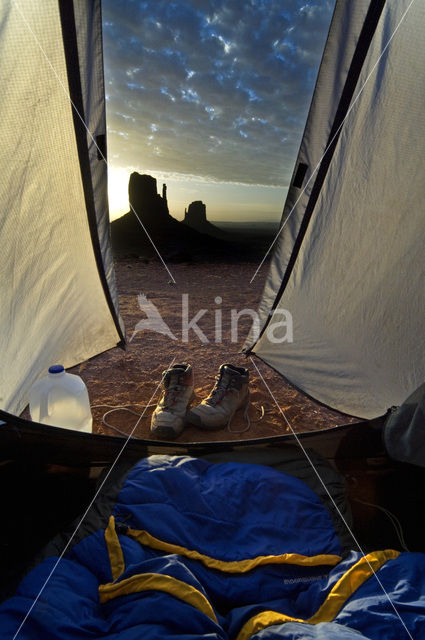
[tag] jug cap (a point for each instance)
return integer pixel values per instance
(56, 368)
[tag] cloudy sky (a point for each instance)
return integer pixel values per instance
(210, 96)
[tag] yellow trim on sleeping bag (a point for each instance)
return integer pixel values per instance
(158, 582)
(335, 600)
(116, 556)
(235, 566)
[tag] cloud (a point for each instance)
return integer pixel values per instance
(211, 88)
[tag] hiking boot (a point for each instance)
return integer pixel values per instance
(229, 394)
(168, 418)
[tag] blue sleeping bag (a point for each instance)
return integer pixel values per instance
(216, 551)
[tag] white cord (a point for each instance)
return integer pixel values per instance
(393, 519)
(114, 408)
(121, 408)
(246, 417)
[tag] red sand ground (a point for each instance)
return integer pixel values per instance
(130, 377)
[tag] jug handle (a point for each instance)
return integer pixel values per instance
(44, 405)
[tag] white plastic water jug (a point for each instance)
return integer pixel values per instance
(61, 399)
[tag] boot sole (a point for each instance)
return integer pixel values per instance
(165, 433)
(195, 420)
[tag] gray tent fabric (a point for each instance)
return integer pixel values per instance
(349, 263)
(58, 296)
(87, 50)
(347, 22)
(404, 430)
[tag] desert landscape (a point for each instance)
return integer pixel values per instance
(130, 378)
(205, 270)
(197, 269)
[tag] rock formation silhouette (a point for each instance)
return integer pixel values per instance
(193, 240)
(173, 239)
(195, 216)
(146, 202)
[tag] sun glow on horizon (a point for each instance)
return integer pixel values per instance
(118, 192)
(224, 200)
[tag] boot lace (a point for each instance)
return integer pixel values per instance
(169, 398)
(222, 387)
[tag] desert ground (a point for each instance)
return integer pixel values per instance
(130, 378)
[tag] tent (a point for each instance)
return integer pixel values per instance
(59, 300)
(352, 244)
(347, 263)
